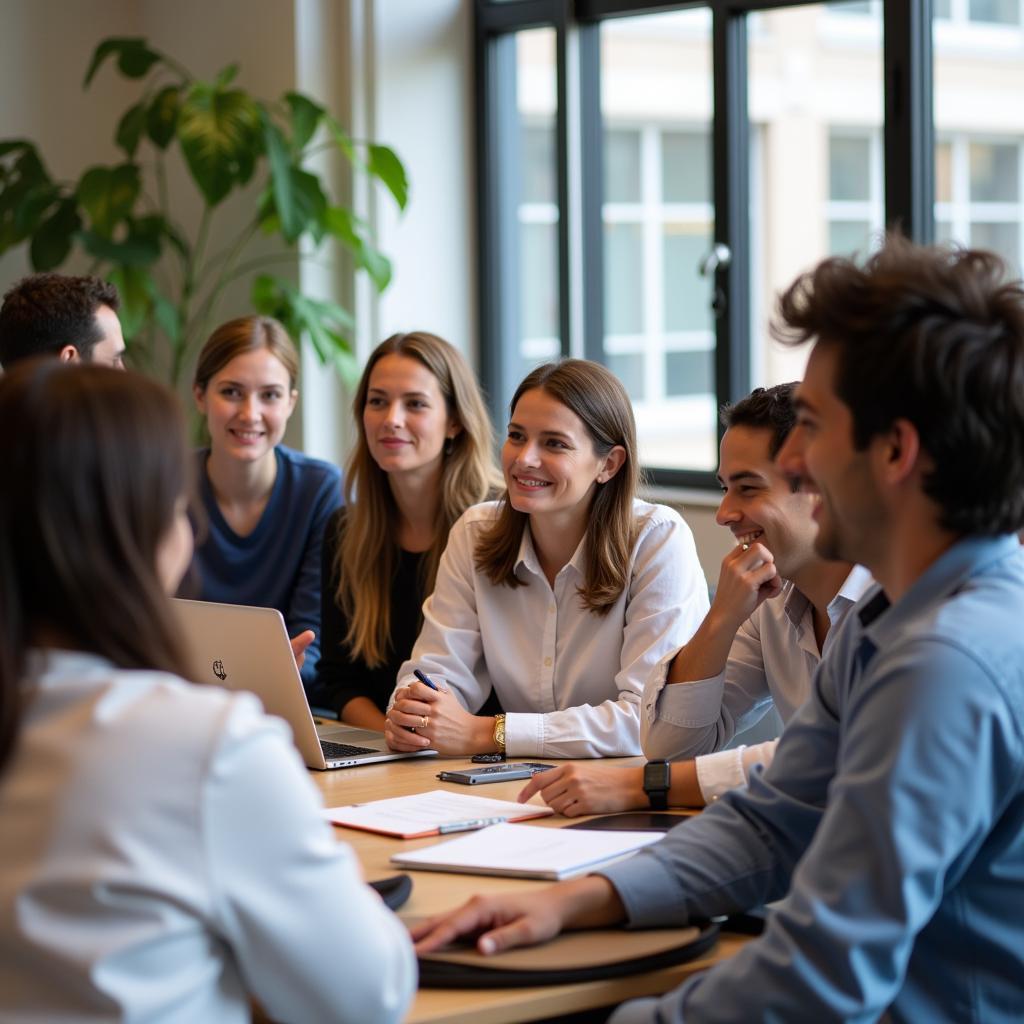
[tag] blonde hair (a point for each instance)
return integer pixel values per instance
(368, 556)
(598, 398)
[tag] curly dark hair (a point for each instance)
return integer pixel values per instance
(933, 335)
(43, 313)
(765, 409)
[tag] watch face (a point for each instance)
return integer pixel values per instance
(657, 775)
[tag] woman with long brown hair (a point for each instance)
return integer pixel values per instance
(562, 597)
(163, 846)
(422, 457)
(266, 504)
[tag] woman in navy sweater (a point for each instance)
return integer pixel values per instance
(266, 505)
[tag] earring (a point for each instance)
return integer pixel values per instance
(449, 443)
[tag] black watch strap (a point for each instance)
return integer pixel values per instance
(657, 781)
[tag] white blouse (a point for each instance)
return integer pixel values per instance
(570, 681)
(163, 856)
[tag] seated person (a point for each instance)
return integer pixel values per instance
(266, 505)
(164, 854)
(423, 455)
(562, 597)
(73, 319)
(890, 825)
(774, 611)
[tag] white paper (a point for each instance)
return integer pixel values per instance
(526, 851)
(426, 812)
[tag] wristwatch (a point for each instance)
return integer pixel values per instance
(657, 780)
(499, 732)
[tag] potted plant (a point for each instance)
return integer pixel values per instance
(171, 279)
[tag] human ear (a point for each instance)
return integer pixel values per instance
(199, 394)
(613, 462)
(900, 451)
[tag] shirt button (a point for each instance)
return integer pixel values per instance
(551, 610)
(547, 663)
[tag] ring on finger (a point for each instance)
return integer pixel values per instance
(746, 547)
(423, 721)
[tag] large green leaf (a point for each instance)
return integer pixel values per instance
(383, 164)
(305, 117)
(26, 192)
(108, 194)
(131, 127)
(134, 58)
(220, 136)
(37, 203)
(52, 241)
(354, 234)
(162, 116)
(134, 285)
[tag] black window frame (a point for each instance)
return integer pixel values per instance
(908, 148)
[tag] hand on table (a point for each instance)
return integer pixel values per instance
(299, 645)
(594, 788)
(523, 919)
(439, 721)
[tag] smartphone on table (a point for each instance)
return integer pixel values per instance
(495, 773)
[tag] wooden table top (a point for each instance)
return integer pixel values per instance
(434, 892)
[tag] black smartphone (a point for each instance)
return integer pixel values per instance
(496, 773)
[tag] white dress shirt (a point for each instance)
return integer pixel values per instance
(163, 855)
(771, 661)
(570, 681)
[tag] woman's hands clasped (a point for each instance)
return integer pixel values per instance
(421, 718)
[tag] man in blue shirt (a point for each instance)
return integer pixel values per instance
(890, 826)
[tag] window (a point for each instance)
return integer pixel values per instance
(650, 180)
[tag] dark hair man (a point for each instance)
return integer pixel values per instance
(890, 825)
(73, 318)
(776, 606)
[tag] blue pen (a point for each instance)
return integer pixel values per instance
(425, 679)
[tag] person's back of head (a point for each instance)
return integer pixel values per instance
(61, 316)
(95, 469)
(934, 336)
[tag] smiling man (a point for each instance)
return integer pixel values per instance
(890, 826)
(775, 607)
(71, 318)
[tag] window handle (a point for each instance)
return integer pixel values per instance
(718, 258)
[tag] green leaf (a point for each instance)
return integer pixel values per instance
(383, 164)
(134, 286)
(32, 209)
(305, 117)
(131, 127)
(162, 116)
(136, 250)
(165, 313)
(220, 137)
(226, 76)
(107, 195)
(52, 241)
(280, 179)
(134, 58)
(352, 232)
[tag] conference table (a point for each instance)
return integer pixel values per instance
(434, 892)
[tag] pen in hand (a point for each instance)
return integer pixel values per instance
(425, 679)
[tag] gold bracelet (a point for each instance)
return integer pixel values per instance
(499, 732)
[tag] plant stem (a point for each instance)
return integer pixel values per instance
(187, 291)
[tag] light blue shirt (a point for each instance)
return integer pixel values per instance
(890, 824)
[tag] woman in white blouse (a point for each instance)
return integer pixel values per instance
(563, 596)
(163, 852)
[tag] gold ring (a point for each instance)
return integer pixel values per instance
(423, 721)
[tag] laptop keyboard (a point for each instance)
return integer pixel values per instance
(336, 751)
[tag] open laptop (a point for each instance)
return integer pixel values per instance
(244, 648)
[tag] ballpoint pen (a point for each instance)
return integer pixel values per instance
(469, 826)
(424, 678)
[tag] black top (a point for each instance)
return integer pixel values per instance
(339, 678)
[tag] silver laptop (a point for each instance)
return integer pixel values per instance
(244, 648)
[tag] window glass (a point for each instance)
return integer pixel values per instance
(815, 99)
(658, 218)
(998, 12)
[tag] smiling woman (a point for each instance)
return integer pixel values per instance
(266, 505)
(560, 599)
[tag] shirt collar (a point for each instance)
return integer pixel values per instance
(528, 559)
(881, 619)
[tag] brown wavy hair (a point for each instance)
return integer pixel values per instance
(239, 336)
(367, 552)
(598, 398)
(95, 461)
